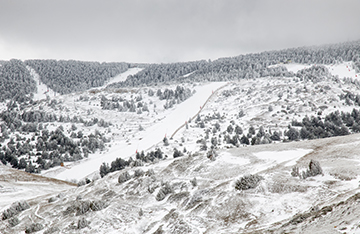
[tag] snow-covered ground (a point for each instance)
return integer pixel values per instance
(123, 76)
(295, 67)
(212, 204)
(343, 70)
(42, 90)
(152, 135)
(277, 157)
(17, 185)
(287, 97)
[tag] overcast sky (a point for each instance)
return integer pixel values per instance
(168, 30)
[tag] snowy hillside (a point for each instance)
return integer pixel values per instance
(193, 194)
(260, 143)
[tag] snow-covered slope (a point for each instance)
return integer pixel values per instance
(42, 90)
(202, 196)
(17, 185)
(196, 192)
(152, 135)
(123, 76)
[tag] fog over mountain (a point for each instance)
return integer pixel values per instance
(168, 31)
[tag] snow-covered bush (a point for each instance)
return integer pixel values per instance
(34, 227)
(15, 209)
(138, 173)
(123, 177)
(164, 190)
(314, 169)
(177, 153)
(13, 221)
(82, 223)
(248, 182)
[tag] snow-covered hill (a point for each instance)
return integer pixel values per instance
(212, 134)
(193, 194)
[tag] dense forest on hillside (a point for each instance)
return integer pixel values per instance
(71, 76)
(15, 81)
(245, 66)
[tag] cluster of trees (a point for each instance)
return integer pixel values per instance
(70, 76)
(244, 66)
(334, 124)
(31, 121)
(124, 105)
(119, 163)
(160, 73)
(314, 73)
(16, 82)
(233, 134)
(48, 149)
(173, 97)
(350, 98)
(136, 104)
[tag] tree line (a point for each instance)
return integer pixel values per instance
(66, 76)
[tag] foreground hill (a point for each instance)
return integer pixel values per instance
(193, 194)
(225, 146)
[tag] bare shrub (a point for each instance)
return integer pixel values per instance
(230, 211)
(248, 182)
(178, 197)
(139, 173)
(193, 182)
(286, 187)
(82, 207)
(15, 209)
(295, 171)
(97, 205)
(313, 170)
(164, 190)
(123, 177)
(35, 227)
(82, 223)
(14, 221)
(150, 172)
(52, 230)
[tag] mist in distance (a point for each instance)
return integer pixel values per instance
(159, 31)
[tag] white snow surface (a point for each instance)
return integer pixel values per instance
(343, 70)
(277, 198)
(123, 76)
(282, 156)
(295, 67)
(42, 90)
(152, 135)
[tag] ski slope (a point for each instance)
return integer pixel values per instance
(123, 76)
(42, 90)
(146, 139)
(343, 70)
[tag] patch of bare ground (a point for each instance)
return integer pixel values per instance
(13, 175)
